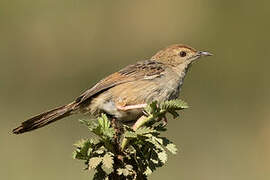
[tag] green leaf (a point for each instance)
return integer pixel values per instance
(126, 172)
(94, 162)
(74, 155)
(129, 167)
(100, 151)
(174, 113)
(99, 174)
(104, 122)
(80, 143)
(84, 122)
(84, 149)
(89, 152)
(155, 141)
(131, 150)
(107, 163)
(172, 148)
(120, 171)
(130, 134)
(144, 130)
(123, 171)
(148, 171)
(152, 108)
(93, 126)
(163, 156)
(100, 127)
(104, 127)
(160, 127)
(176, 104)
(154, 161)
(90, 123)
(169, 145)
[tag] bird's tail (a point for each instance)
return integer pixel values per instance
(45, 118)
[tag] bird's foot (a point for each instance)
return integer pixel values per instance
(130, 107)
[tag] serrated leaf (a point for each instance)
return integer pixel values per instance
(163, 156)
(80, 143)
(99, 174)
(109, 132)
(107, 163)
(74, 155)
(148, 171)
(148, 109)
(160, 127)
(176, 104)
(153, 104)
(130, 134)
(93, 127)
(119, 171)
(172, 148)
(125, 172)
(84, 121)
(89, 151)
(169, 145)
(154, 161)
(155, 141)
(144, 130)
(174, 113)
(90, 123)
(83, 147)
(104, 122)
(129, 167)
(94, 162)
(152, 108)
(103, 129)
(100, 150)
(131, 150)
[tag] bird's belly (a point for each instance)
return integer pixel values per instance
(107, 103)
(123, 115)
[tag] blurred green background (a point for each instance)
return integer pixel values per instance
(53, 50)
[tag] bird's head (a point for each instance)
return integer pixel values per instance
(179, 54)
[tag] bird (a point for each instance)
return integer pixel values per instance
(124, 94)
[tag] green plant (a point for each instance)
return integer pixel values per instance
(123, 152)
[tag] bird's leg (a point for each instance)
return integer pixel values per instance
(116, 126)
(114, 123)
(118, 131)
(125, 108)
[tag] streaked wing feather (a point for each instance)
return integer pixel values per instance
(109, 82)
(147, 69)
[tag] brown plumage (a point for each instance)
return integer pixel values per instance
(123, 94)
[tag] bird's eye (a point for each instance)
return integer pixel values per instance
(182, 53)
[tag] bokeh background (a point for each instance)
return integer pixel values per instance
(53, 50)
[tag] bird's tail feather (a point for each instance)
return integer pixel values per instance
(45, 118)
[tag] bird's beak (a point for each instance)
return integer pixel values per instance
(204, 53)
(199, 54)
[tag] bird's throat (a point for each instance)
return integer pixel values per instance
(181, 71)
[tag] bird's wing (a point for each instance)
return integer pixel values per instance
(147, 69)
